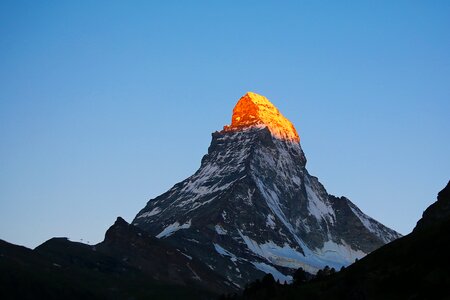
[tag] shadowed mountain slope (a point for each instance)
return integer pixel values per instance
(415, 266)
(127, 264)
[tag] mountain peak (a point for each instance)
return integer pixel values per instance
(254, 110)
(252, 206)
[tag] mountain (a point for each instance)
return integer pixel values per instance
(253, 208)
(415, 266)
(128, 264)
(131, 264)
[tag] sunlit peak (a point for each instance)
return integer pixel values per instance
(253, 110)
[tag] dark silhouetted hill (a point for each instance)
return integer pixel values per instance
(128, 264)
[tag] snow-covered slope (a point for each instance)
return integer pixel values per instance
(252, 206)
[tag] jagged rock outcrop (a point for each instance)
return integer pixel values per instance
(436, 212)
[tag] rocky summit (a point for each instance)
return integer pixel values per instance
(253, 208)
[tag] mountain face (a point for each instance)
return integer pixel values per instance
(412, 267)
(253, 208)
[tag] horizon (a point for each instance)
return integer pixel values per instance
(105, 106)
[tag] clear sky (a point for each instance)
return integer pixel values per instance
(106, 104)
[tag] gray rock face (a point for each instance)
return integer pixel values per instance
(252, 207)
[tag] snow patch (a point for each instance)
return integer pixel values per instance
(342, 253)
(284, 256)
(172, 228)
(196, 277)
(296, 180)
(318, 208)
(220, 230)
(248, 199)
(276, 274)
(373, 226)
(270, 222)
(184, 254)
(274, 204)
(332, 254)
(153, 212)
(224, 252)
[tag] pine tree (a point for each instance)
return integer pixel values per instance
(300, 276)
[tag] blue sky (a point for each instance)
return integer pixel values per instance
(106, 104)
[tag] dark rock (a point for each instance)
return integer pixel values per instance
(437, 212)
